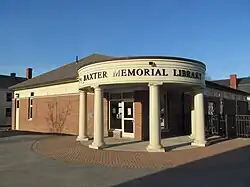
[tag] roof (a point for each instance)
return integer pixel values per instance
(68, 72)
(243, 83)
(214, 85)
(6, 81)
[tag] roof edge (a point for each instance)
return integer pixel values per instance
(214, 85)
(151, 57)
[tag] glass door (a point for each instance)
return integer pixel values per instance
(128, 119)
(116, 111)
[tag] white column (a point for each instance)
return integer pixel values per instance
(192, 135)
(98, 142)
(83, 122)
(154, 119)
(200, 139)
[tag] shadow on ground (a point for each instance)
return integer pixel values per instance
(230, 169)
(4, 134)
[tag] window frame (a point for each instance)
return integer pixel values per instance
(8, 112)
(30, 106)
(8, 97)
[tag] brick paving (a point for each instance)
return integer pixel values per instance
(66, 148)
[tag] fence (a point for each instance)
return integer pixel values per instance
(230, 126)
(243, 126)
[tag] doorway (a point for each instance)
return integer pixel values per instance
(122, 117)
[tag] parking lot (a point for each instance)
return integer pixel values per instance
(21, 166)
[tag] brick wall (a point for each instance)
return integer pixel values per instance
(65, 112)
(141, 123)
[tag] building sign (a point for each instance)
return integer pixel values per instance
(187, 73)
(140, 72)
(95, 75)
(143, 72)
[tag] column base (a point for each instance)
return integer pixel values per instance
(97, 146)
(159, 148)
(85, 138)
(199, 143)
(191, 136)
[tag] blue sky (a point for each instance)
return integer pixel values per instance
(46, 34)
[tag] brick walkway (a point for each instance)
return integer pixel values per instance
(66, 148)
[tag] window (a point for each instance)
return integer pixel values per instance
(17, 103)
(221, 106)
(9, 97)
(211, 108)
(164, 102)
(30, 108)
(8, 112)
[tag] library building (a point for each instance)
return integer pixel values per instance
(143, 98)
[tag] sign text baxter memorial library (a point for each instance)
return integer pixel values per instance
(142, 72)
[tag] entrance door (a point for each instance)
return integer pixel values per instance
(128, 119)
(122, 117)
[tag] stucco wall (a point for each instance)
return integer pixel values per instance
(61, 89)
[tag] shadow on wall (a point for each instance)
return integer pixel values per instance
(230, 169)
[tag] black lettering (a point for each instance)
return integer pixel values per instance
(104, 74)
(146, 72)
(186, 73)
(179, 74)
(158, 73)
(152, 72)
(139, 72)
(93, 75)
(183, 73)
(99, 74)
(199, 76)
(175, 74)
(192, 75)
(131, 72)
(123, 73)
(90, 76)
(117, 73)
(164, 73)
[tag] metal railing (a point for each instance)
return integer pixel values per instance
(215, 125)
(242, 126)
(230, 126)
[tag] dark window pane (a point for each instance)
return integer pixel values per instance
(8, 112)
(9, 97)
(115, 115)
(129, 95)
(17, 104)
(129, 126)
(31, 112)
(128, 110)
(115, 96)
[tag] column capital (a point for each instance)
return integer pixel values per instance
(96, 87)
(198, 91)
(155, 83)
(82, 91)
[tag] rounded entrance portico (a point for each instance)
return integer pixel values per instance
(151, 74)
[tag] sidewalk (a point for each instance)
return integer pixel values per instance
(68, 149)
